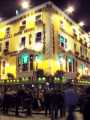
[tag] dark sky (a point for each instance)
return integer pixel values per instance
(82, 12)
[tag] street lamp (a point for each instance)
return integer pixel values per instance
(25, 4)
(81, 23)
(70, 10)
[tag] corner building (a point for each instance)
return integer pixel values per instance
(43, 38)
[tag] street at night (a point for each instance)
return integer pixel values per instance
(44, 60)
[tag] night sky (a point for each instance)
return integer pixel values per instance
(82, 12)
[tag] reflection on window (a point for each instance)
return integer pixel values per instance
(63, 42)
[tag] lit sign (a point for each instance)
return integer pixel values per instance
(24, 58)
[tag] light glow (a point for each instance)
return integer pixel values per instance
(25, 4)
(81, 23)
(70, 9)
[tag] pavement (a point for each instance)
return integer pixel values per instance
(78, 116)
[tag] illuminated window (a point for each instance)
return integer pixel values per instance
(70, 64)
(63, 42)
(24, 58)
(38, 37)
(24, 61)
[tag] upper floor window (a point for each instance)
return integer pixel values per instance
(38, 19)
(63, 42)
(8, 30)
(22, 24)
(0, 47)
(23, 41)
(62, 24)
(75, 46)
(7, 44)
(81, 50)
(74, 32)
(38, 37)
(70, 64)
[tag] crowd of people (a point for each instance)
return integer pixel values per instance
(55, 102)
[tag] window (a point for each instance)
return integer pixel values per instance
(75, 46)
(4, 64)
(24, 22)
(31, 62)
(23, 40)
(22, 25)
(70, 67)
(74, 30)
(38, 19)
(24, 62)
(62, 24)
(8, 30)
(0, 47)
(63, 42)
(7, 44)
(24, 67)
(71, 63)
(30, 36)
(38, 37)
(86, 52)
(81, 50)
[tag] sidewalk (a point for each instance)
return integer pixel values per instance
(36, 117)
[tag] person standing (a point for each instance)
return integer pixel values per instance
(71, 99)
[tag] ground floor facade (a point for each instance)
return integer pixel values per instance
(25, 63)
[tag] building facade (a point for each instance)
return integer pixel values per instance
(43, 38)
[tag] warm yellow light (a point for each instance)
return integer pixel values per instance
(70, 9)
(25, 4)
(7, 64)
(86, 68)
(81, 23)
(62, 60)
(38, 46)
